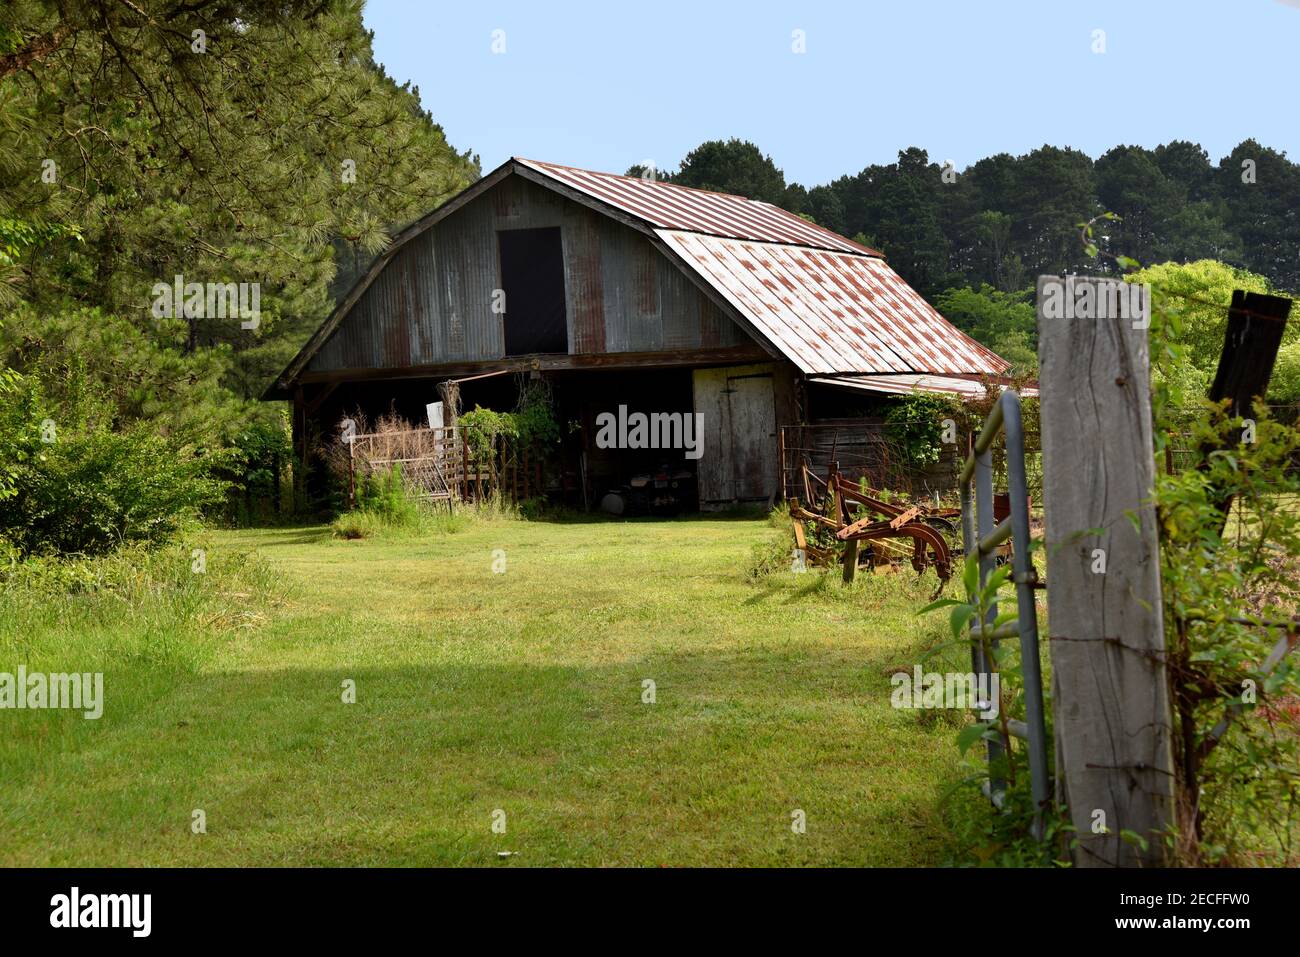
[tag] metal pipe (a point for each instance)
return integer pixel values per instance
(1030, 667)
(998, 536)
(984, 526)
(1009, 630)
(970, 545)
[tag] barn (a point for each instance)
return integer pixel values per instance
(629, 296)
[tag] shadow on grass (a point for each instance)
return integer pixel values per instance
(287, 772)
(282, 535)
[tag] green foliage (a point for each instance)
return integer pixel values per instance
(13, 444)
(18, 237)
(385, 495)
(1285, 384)
(260, 453)
(1193, 309)
(731, 166)
(915, 422)
(1005, 322)
(136, 376)
(386, 505)
(1239, 792)
(357, 524)
(531, 425)
(484, 428)
(772, 556)
(281, 155)
(1004, 838)
(77, 486)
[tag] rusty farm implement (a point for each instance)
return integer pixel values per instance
(874, 531)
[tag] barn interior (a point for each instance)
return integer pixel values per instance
(739, 462)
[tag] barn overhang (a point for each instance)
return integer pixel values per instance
(963, 387)
(688, 358)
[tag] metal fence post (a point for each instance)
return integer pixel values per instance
(982, 537)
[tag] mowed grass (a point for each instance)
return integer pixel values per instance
(478, 692)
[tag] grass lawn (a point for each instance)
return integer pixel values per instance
(477, 691)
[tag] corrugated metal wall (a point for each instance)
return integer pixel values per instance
(433, 301)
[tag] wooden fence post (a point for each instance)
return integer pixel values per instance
(464, 468)
(1110, 697)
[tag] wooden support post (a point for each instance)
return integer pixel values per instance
(1110, 694)
(837, 503)
(352, 477)
(300, 449)
(464, 468)
(850, 560)
(780, 458)
(1254, 335)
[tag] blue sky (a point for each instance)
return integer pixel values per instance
(606, 85)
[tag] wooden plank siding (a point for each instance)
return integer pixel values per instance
(432, 304)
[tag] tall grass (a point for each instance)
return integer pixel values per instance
(388, 507)
(137, 605)
(146, 618)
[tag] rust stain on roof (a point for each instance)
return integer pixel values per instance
(833, 311)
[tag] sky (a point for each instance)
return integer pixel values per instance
(604, 85)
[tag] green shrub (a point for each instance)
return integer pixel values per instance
(353, 525)
(385, 496)
(385, 505)
(139, 605)
(772, 557)
(76, 486)
(90, 493)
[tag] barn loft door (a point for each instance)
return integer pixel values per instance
(532, 275)
(739, 461)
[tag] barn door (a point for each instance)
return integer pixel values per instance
(739, 461)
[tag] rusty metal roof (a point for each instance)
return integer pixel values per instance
(666, 206)
(831, 312)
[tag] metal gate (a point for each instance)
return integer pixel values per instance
(982, 536)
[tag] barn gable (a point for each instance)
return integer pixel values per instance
(433, 301)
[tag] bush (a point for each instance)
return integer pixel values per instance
(79, 488)
(138, 606)
(261, 456)
(354, 525)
